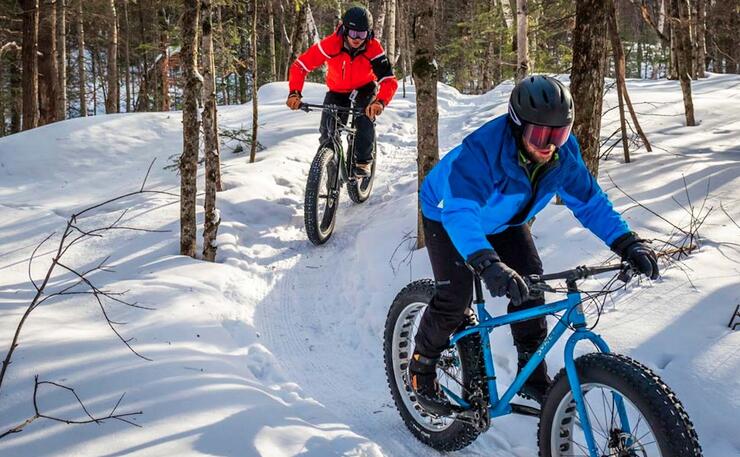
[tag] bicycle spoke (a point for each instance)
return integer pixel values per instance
(637, 427)
(597, 420)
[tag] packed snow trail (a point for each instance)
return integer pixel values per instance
(276, 350)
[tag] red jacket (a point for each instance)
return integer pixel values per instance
(346, 72)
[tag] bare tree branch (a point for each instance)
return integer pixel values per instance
(92, 419)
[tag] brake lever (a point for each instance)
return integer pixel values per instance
(536, 284)
(626, 273)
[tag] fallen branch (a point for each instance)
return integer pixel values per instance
(410, 241)
(68, 240)
(123, 417)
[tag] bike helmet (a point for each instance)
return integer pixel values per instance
(542, 108)
(357, 18)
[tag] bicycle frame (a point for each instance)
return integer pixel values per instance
(336, 140)
(574, 317)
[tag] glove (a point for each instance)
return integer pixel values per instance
(635, 251)
(294, 100)
(500, 280)
(374, 109)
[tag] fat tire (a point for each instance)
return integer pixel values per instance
(459, 434)
(665, 414)
(319, 167)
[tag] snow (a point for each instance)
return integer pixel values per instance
(276, 349)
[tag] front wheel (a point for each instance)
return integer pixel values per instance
(322, 196)
(653, 423)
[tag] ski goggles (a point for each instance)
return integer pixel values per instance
(541, 137)
(357, 34)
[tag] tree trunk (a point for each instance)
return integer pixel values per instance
(377, 8)
(81, 59)
(30, 13)
(127, 57)
(701, 32)
(271, 40)
(587, 77)
(191, 130)
(534, 20)
(48, 70)
(681, 22)
(142, 101)
(619, 67)
(94, 74)
(164, 68)
(522, 49)
(298, 32)
(16, 90)
(62, 58)
(391, 37)
(112, 98)
(253, 151)
(210, 227)
(425, 77)
(672, 72)
(622, 92)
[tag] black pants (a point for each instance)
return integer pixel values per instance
(363, 145)
(454, 288)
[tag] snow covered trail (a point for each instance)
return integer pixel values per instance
(276, 350)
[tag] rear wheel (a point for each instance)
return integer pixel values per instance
(656, 424)
(322, 196)
(459, 365)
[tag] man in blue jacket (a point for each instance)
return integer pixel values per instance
(476, 203)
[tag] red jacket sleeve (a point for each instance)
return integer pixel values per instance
(383, 71)
(313, 58)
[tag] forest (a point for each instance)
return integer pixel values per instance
(200, 257)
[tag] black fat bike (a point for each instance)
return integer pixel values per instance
(331, 168)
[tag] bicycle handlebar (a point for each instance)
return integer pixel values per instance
(538, 282)
(310, 107)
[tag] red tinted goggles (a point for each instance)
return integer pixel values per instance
(541, 136)
(357, 34)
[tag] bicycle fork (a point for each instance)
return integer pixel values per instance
(581, 333)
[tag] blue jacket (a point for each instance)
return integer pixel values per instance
(480, 188)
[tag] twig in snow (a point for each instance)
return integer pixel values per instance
(123, 417)
(410, 241)
(67, 240)
(728, 215)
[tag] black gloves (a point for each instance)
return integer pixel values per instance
(634, 250)
(500, 279)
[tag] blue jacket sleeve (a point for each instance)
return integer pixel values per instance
(469, 186)
(591, 206)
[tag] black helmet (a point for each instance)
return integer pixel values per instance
(541, 100)
(358, 18)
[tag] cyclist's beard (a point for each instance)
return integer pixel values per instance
(536, 154)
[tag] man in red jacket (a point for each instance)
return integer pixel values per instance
(356, 61)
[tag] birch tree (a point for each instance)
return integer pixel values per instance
(522, 44)
(210, 227)
(112, 97)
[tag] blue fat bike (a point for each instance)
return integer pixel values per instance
(599, 405)
(330, 169)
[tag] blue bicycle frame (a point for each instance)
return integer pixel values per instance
(573, 317)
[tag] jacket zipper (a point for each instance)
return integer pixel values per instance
(344, 63)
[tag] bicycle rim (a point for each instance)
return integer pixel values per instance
(449, 369)
(567, 437)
